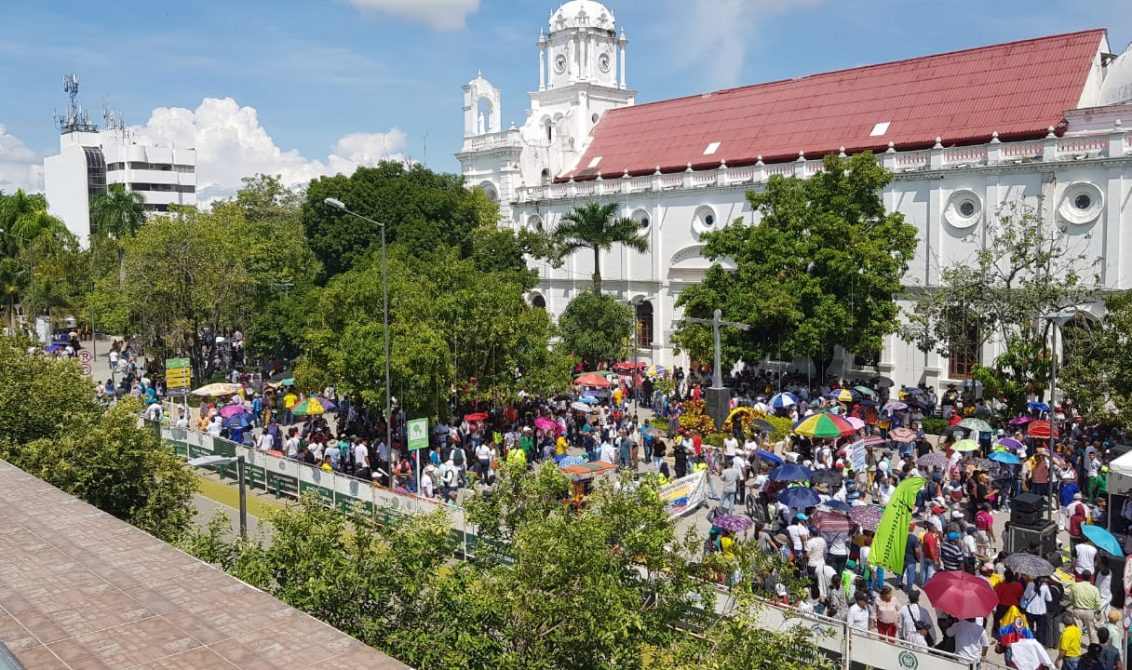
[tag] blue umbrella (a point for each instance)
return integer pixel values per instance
(1040, 406)
(589, 399)
(237, 421)
(1103, 539)
(1005, 457)
(791, 472)
(52, 348)
(783, 400)
(798, 497)
(837, 505)
(768, 457)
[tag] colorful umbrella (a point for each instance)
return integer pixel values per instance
(589, 399)
(1040, 429)
(871, 441)
(627, 366)
(940, 461)
(229, 411)
(902, 434)
(217, 389)
(592, 379)
(309, 407)
(1104, 540)
(1020, 421)
(289, 381)
(961, 595)
(837, 505)
(732, 523)
(865, 390)
(857, 424)
(865, 516)
(1010, 443)
(475, 416)
(543, 423)
(824, 426)
(237, 421)
(966, 445)
(798, 497)
(844, 395)
(1005, 457)
(895, 406)
(832, 522)
(972, 423)
(783, 400)
(790, 472)
(1029, 564)
(1039, 406)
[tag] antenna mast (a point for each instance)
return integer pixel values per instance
(75, 118)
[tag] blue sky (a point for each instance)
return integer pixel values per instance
(318, 86)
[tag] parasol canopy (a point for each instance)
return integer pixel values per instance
(882, 382)
(543, 423)
(1040, 428)
(934, 460)
(866, 516)
(844, 395)
(866, 391)
(592, 379)
(732, 522)
(857, 424)
(217, 389)
(831, 522)
(761, 426)
(1104, 540)
(1038, 406)
(827, 477)
(579, 406)
(842, 507)
(961, 595)
(902, 434)
(309, 407)
(783, 400)
(767, 456)
(589, 399)
(870, 441)
(229, 411)
(1005, 457)
(895, 406)
(1029, 564)
(475, 416)
(966, 445)
(798, 497)
(979, 425)
(1010, 443)
(1020, 421)
(824, 426)
(790, 472)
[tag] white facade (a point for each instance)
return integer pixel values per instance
(89, 161)
(1083, 178)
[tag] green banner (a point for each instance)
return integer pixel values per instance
(891, 538)
(176, 363)
(418, 434)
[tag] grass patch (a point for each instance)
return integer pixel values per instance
(229, 495)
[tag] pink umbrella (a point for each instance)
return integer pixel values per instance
(543, 423)
(229, 411)
(857, 424)
(902, 434)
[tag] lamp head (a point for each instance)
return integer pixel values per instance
(335, 203)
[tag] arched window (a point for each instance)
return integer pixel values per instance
(485, 114)
(538, 301)
(545, 176)
(549, 130)
(644, 324)
(965, 349)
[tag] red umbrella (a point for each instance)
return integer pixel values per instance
(831, 522)
(902, 434)
(592, 379)
(476, 416)
(626, 366)
(1040, 428)
(543, 423)
(961, 595)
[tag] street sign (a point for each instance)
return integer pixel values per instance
(418, 434)
(86, 368)
(171, 363)
(84, 356)
(178, 373)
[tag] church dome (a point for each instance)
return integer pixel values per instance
(582, 14)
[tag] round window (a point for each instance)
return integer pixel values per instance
(967, 208)
(1082, 201)
(595, 117)
(709, 220)
(703, 220)
(641, 217)
(964, 209)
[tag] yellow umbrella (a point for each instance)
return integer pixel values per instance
(217, 389)
(966, 445)
(309, 407)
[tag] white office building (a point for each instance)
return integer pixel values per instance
(1043, 121)
(90, 159)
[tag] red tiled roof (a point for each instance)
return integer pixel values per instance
(1018, 89)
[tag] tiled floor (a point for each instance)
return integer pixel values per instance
(82, 590)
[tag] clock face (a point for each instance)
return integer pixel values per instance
(603, 62)
(560, 63)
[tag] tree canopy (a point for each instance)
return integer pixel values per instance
(595, 327)
(1098, 371)
(595, 227)
(820, 270)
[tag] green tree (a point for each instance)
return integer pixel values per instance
(118, 213)
(420, 208)
(1098, 372)
(27, 233)
(819, 271)
(1025, 269)
(595, 327)
(595, 227)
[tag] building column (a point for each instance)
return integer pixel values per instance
(542, 65)
(622, 42)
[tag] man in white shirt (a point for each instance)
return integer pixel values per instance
(154, 411)
(1085, 557)
(291, 444)
(428, 489)
(730, 445)
(607, 453)
(882, 491)
(214, 426)
(799, 535)
(858, 615)
(970, 640)
(264, 442)
(483, 461)
(361, 455)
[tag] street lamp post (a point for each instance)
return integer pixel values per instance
(217, 461)
(337, 204)
(1055, 321)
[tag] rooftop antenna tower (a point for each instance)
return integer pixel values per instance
(75, 118)
(114, 121)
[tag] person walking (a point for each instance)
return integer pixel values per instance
(1085, 605)
(1069, 646)
(730, 477)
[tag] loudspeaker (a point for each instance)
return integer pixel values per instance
(1027, 519)
(1028, 502)
(1019, 538)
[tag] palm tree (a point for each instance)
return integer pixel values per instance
(595, 227)
(118, 214)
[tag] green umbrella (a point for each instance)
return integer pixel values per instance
(289, 381)
(865, 390)
(976, 425)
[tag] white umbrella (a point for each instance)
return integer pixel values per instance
(581, 407)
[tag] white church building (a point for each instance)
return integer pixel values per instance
(1043, 121)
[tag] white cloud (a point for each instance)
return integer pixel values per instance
(438, 14)
(20, 167)
(715, 33)
(231, 144)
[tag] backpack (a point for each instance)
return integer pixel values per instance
(457, 456)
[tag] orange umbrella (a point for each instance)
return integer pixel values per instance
(1040, 429)
(592, 379)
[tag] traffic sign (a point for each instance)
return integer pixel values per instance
(176, 363)
(84, 356)
(86, 368)
(418, 434)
